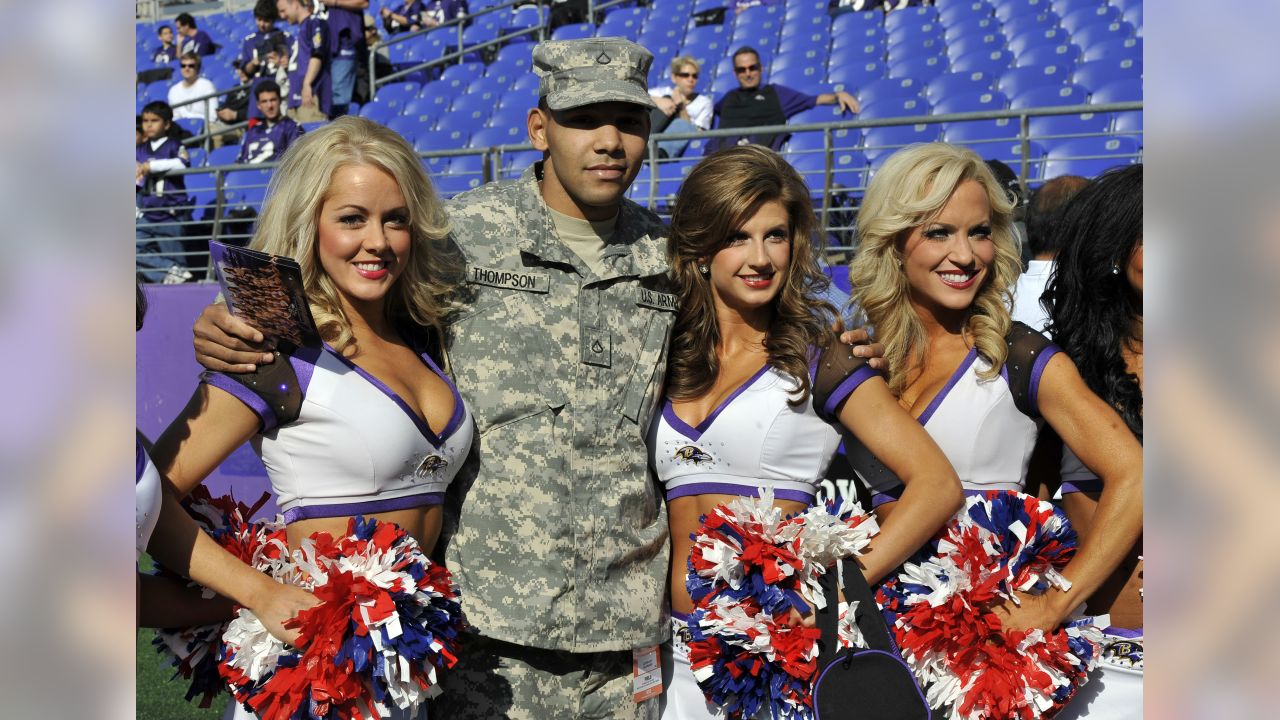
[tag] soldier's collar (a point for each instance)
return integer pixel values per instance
(638, 252)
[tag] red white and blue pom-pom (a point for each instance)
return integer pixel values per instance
(193, 651)
(940, 606)
(387, 622)
(749, 568)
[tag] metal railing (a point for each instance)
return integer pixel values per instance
(224, 205)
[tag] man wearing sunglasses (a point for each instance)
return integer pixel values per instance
(753, 105)
(190, 87)
(680, 108)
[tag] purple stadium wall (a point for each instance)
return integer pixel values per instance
(167, 373)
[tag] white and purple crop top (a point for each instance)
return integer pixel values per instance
(356, 447)
(753, 439)
(985, 435)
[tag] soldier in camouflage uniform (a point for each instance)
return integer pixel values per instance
(555, 532)
(557, 536)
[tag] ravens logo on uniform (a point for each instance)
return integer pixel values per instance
(430, 465)
(1125, 653)
(692, 454)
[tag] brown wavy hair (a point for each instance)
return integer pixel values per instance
(721, 194)
(290, 218)
(909, 190)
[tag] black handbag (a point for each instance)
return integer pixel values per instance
(862, 683)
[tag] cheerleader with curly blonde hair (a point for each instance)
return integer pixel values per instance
(933, 274)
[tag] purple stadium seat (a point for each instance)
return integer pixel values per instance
(1099, 33)
(1089, 16)
(976, 102)
(1090, 156)
(953, 84)
(1049, 96)
(980, 130)
(1118, 91)
(889, 88)
(894, 107)
(1111, 49)
(976, 42)
(1015, 80)
(991, 62)
(1065, 55)
(1128, 123)
(1082, 124)
(1035, 22)
(1036, 38)
(886, 140)
(852, 76)
(922, 68)
(1006, 9)
(574, 31)
(969, 25)
(1093, 75)
(951, 12)
(407, 126)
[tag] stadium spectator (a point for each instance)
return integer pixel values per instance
(253, 50)
(405, 18)
(233, 109)
(192, 39)
(438, 12)
(346, 43)
(381, 60)
(266, 140)
(752, 104)
(680, 108)
(161, 199)
(167, 52)
(1042, 214)
(190, 87)
(310, 93)
(276, 68)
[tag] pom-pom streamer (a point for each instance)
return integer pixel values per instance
(939, 607)
(749, 569)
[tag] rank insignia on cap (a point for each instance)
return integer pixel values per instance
(603, 58)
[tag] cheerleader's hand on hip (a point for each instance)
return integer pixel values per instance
(278, 605)
(1033, 611)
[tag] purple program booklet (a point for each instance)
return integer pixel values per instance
(265, 291)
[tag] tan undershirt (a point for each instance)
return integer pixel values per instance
(585, 238)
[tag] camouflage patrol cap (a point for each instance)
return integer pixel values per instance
(574, 73)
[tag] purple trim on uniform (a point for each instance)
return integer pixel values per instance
(251, 399)
(1126, 633)
(308, 512)
(1076, 486)
(1004, 372)
(436, 441)
(459, 411)
(1037, 369)
(141, 457)
(695, 433)
(304, 366)
(893, 494)
(682, 617)
(955, 378)
(715, 488)
(847, 386)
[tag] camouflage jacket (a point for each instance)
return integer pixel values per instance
(555, 531)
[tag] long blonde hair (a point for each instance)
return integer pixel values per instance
(909, 190)
(290, 218)
(721, 193)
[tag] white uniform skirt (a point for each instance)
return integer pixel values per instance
(1114, 690)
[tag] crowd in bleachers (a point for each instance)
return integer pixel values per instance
(916, 61)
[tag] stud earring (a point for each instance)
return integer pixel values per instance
(1115, 269)
(704, 270)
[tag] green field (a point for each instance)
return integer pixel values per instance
(160, 695)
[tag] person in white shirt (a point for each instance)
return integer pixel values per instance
(680, 108)
(1042, 212)
(190, 87)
